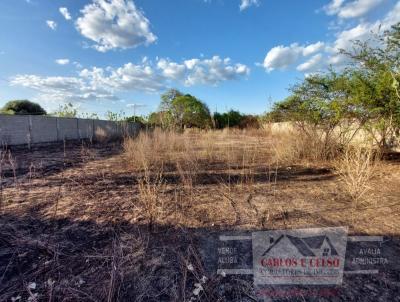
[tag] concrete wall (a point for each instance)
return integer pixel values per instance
(43, 129)
(31, 129)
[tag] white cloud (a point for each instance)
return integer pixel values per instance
(129, 77)
(171, 70)
(203, 71)
(59, 89)
(62, 61)
(51, 24)
(345, 38)
(281, 57)
(64, 11)
(190, 64)
(328, 53)
(392, 17)
(311, 65)
(352, 9)
(215, 70)
(247, 3)
(313, 48)
(105, 83)
(333, 7)
(114, 24)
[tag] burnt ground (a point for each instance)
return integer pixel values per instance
(72, 229)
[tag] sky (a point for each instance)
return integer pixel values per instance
(105, 55)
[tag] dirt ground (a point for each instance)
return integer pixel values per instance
(72, 228)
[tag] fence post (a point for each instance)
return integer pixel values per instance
(77, 129)
(58, 128)
(93, 132)
(29, 131)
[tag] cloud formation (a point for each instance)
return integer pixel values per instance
(64, 11)
(281, 57)
(114, 24)
(203, 71)
(314, 57)
(352, 9)
(62, 61)
(98, 83)
(59, 89)
(51, 24)
(244, 4)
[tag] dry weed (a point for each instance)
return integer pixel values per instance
(356, 168)
(294, 146)
(151, 200)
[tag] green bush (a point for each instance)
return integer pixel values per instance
(22, 107)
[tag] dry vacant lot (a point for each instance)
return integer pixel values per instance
(127, 222)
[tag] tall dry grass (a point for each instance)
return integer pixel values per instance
(356, 168)
(151, 199)
(235, 160)
(188, 159)
(292, 145)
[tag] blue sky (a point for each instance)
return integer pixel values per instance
(105, 54)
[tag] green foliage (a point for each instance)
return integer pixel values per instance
(320, 101)
(231, 118)
(137, 119)
(22, 107)
(66, 110)
(367, 91)
(180, 111)
(156, 119)
(187, 112)
(167, 98)
(115, 116)
(235, 119)
(250, 121)
(374, 81)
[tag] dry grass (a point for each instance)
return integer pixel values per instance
(356, 167)
(293, 145)
(105, 223)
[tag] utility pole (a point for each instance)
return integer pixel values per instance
(135, 106)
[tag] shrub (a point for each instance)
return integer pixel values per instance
(231, 118)
(356, 168)
(249, 121)
(292, 145)
(22, 107)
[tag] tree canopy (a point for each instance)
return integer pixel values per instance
(365, 91)
(178, 110)
(22, 107)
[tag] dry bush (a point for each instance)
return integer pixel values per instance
(291, 145)
(151, 202)
(356, 167)
(151, 149)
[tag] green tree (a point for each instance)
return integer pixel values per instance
(136, 119)
(22, 107)
(156, 119)
(231, 118)
(375, 97)
(188, 111)
(167, 98)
